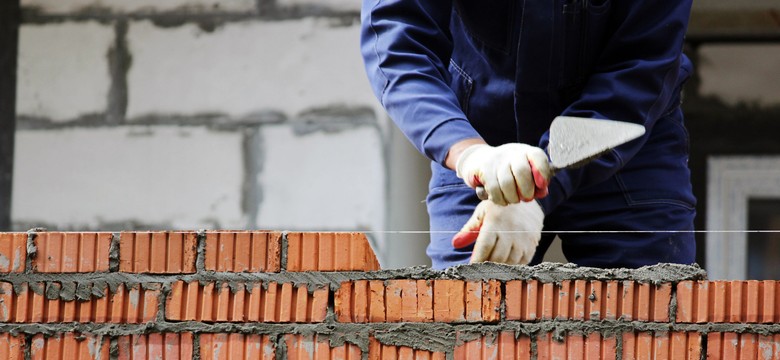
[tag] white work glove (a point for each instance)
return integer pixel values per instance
(510, 173)
(503, 234)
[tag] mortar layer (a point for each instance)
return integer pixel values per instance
(546, 272)
(437, 337)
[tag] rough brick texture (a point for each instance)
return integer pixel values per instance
(294, 295)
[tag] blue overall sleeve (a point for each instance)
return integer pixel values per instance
(634, 80)
(406, 46)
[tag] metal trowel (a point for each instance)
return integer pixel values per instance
(576, 141)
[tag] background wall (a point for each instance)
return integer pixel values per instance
(252, 114)
(189, 114)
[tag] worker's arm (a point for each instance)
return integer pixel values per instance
(634, 80)
(406, 47)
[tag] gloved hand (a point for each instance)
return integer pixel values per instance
(510, 173)
(504, 234)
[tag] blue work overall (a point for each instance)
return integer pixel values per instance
(450, 70)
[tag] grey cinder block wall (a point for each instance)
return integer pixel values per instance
(208, 114)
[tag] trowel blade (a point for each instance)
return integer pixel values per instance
(575, 141)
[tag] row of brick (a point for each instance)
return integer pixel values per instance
(633, 345)
(502, 345)
(255, 302)
(480, 301)
(403, 300)
(587, 300)
(126, 304)
(449, 301)
(176, 252)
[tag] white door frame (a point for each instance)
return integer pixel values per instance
(731, 182)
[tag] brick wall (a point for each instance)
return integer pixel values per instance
(293, 295)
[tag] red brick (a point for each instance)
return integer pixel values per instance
(69, 346)
(376, 311)
(596, 306)
(627, 304)
(548, 301)
(544, 348)
(719, 290)
(714, 346)
(531, 297)
(393, 301)
(473, 300)
(243, 251)
(661, 345)
(425, 300)
(685, 302)
(275, 303)
(662, 297)
(512, 348)
(486, 347)
(409, 308)
(769, 347)
(71, 252)
(564, 299)
(609, 347)
(769, 301)
(11, 347)
(157, 252)
(342, 302)
(155, 346)
(6, 302)
(312, 346)
(751, 301)
(594, 347)
(685, 346)
(319, 251)
(449, 301)
(379, 351)
(735, 303)
(580, 299)
(514, 300)
(236, 346)
(611, 297)
(748, 346)
(491, 301)
(319, 305)
(575, 347)
(13, 252)
(643, 302)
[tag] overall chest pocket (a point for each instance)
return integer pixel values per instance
(583, 36)
(489, 22)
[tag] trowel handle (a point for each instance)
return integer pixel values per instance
(483, 195)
